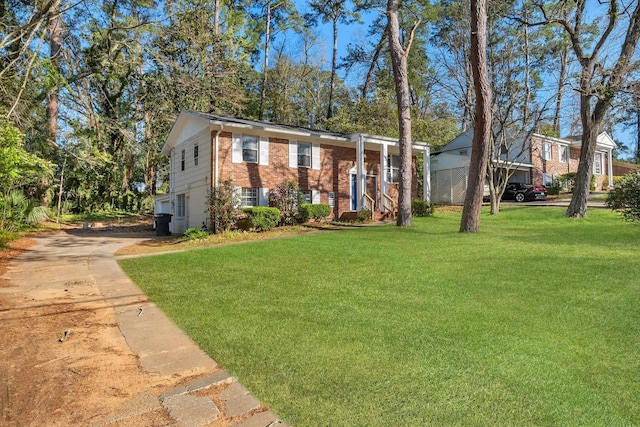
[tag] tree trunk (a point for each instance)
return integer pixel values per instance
(334, 65)
(468, 96)
(400, 74)
(564, 55)
(374, 61)
(638, 131)
(494, 193)
(592, 118)
(527, 72)
(55, 46)
(470, 221)
(265, 67)
(578, 205)
(216, 17)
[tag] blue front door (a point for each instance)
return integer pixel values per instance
(354, 192)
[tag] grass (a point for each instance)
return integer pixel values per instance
(534, 321)
(181, 243)
(6, 237)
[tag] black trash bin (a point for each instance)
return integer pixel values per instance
(162, 224)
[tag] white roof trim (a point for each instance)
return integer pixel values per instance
(203, 121)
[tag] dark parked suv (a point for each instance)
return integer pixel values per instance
(521, 192)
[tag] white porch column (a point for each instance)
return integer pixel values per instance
(610, 166)
(361, 174)
(426, 170)
(216, 148)
(384, 154)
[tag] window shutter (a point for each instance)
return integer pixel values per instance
(236, 148)
(263, 197)
(264, 150)
(315, 197)
(293, 154)
(315, 156)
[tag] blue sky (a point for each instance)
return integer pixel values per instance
(355, 32)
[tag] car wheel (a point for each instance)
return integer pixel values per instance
(519, 197)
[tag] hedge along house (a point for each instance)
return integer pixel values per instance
(347, 172)
(540, 161)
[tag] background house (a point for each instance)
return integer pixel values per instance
(538, 161)
(347, 172)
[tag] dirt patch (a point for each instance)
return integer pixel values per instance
(448, 208)
(64, 361)
(16, 247)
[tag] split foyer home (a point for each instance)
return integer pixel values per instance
(538, 161)
(347, 172)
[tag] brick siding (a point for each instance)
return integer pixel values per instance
(333, 175)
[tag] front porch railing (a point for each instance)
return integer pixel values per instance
(369, 203)
(389, 205)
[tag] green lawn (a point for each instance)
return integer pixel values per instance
(534, 321)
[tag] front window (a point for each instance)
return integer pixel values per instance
(546, 151)
(308, 197)
(249, 197)
(393, 169)
(564, 153)
(597, 164)
(304, 155)
(249, 149)
(180, 206)
(195, 155)
(182, 160)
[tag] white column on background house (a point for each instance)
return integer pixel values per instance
(426, 180)
(610, 166)
(361, 175)
(384, 154)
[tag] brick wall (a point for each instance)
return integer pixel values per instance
(552, 166)
(333, 175)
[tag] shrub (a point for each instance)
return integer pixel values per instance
(555, 188)
(364, 215)
(567, 181)
(18, 212)
(262, 218)
(288, 198)
(625, 197)
(421, 207)
(315, 211)
(224, 210)
(195, 234)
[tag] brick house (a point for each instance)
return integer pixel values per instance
(347, 172)
(537, 161)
